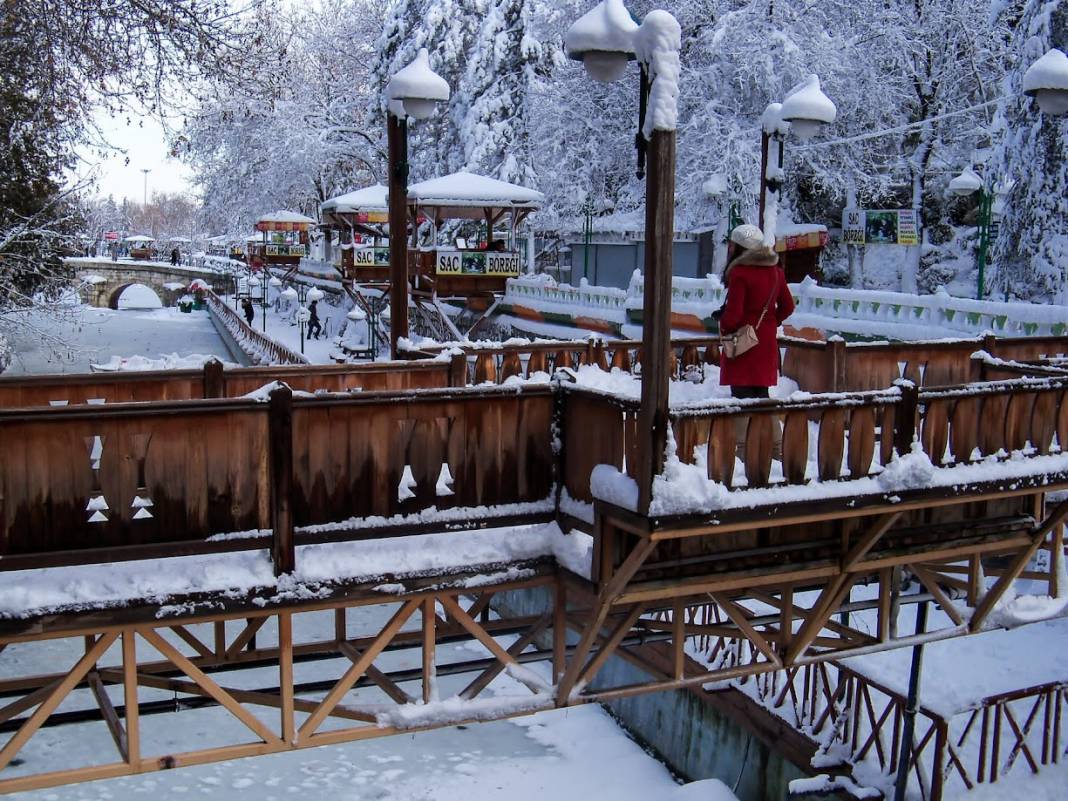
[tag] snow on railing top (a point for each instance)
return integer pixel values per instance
(702, 296)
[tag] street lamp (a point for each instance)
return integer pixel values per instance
(604, 39)
(804, 110)
(1047, 81)
(412, 92)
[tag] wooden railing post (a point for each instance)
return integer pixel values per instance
(838, 364)
(458, 370)
(905, 419)
(214, 382)
(280, 436)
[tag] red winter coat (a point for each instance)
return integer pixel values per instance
(748, 288)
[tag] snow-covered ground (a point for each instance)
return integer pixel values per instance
(93, 335)
(282, 327)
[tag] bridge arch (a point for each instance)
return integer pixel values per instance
(143, 291)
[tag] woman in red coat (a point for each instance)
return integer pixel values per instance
(754, 281)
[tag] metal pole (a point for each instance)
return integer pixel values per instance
(146, 171)
(911, 707)
(397, 135)
(656, 309)
(985, 207)
(764, 142)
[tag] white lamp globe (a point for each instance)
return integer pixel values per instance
(807, 108)
(356, 314)
(603, 40)
(1047, 81)
(315, 294)
(417, 88)
(289, 293)
(275, 281)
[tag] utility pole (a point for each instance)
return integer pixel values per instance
(146, 171)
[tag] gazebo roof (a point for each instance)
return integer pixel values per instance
(139, 238)
(370, 198)
(284, 221)
(460, 194)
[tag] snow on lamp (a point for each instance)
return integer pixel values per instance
(807, 108)
(314, 294)
(603, 40)
(417, 89)
(1047, 81)
(967, 183)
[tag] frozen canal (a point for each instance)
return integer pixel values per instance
(87, 334)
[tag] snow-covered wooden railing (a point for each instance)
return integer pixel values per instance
(273, 468)
(701, 296)
(212, 381)
(258, 346)
(219, 264)
(857, 721)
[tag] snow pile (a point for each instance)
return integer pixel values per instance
(914, 470)
(31, 592)
(418, 80)
(168, 361)
(1049, 72)
(657, 42)
(607, 27)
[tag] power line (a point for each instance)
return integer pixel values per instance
(898, 129)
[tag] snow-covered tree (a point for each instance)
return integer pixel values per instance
(1031, 252)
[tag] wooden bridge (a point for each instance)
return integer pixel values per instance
(429, 488)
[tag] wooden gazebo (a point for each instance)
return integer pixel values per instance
(463, 268)
(361, 216)
(282, 239)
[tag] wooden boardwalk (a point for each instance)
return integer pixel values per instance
(102, 469)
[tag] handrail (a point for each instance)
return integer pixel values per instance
(259, 347)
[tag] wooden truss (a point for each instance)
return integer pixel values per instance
(759, 619)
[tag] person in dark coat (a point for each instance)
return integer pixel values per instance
(174, 256)
(754, 280)
(315, 328)
(250, 312)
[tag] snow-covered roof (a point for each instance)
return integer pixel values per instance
(465, 190)
(179, 240)
(283, 216)
(799, 229)
(607, 27)
(370, 198)
(139, 238)
(1049, 72)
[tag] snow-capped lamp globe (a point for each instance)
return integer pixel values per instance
(356, 314)
(603, 40)
(315, 294)
(807, 108)
(967, 183)
(1047, 82)
(289, 293)
(275, 282)
(416, 90)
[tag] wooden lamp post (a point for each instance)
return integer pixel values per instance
(412, 92)
(604, 40)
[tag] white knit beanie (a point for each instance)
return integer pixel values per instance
(748, 236)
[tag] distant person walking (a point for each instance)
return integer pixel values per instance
(246, 307)
(757, 296)
(315, 328)
(174, 257)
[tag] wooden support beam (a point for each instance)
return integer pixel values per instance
(741, 620)
(245, 637)
(827, 602)
(387, 685)
(480, 634)
(430, 677)
(28, 701)
(608, 647)
(193, 642)
(55, 698)
(212, 689)
(285, 677)
(111, 717)
(515, 649)
(931, 583)
(994, 594)
(353, 674)
(131, 708)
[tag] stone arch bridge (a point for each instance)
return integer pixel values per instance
(118, 275)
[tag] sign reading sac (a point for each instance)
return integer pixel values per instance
(456, 262)
(880, 227)
(370, 257)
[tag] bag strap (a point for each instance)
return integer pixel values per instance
(771, 297)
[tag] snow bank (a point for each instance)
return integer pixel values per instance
(139, 296)
(168, 361)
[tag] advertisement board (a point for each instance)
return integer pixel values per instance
(370, 257)
(476, 262)
(880, 227)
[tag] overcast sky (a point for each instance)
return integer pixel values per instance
(144, 143)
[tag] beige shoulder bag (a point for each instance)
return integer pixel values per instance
(745, 338)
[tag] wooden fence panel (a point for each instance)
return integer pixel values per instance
(122, 476)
